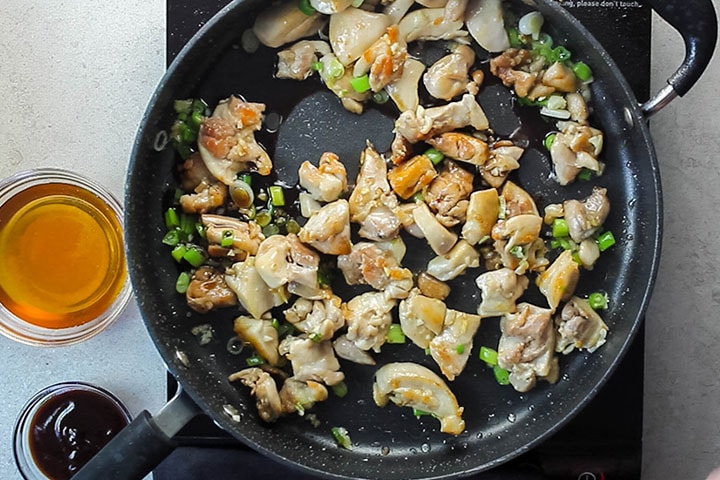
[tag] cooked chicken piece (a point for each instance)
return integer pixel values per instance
(263, 388)
(455, 262)
(500, 290)
(432, 287)
(320, 319)
(326, 182)
(328, 229)
(297, 62)
(586, 217)
(451, 348)
(404, 212)
(461, 146)
(423, 123)
(193, 172)
(261, 335)
(227, 142)
(482, 214)
(353, 31)
(576, 147)
(588, 253)
(396, 9)
(412, 176)
(411, 385)
(455, 10)
(206, 197)
(449, 77)
(251, 290)
(484, 21)
(431, 24)
(372, 201)
(207, 291)
(308, 205)
(448, 194)
(384, 60)
(558, 282)
(351, 99)
(503, 160)
(579, 326)
(347, 350)
(421, 318)
(246, 236)
(404, 90)
(284, 260)
(516, 68)
(368, 317)
(527, 346)
(285, 23)
(560, 77)
(312, 360)
(577, 107)
(301, 395)
(440, 239)
(369, 264)
(328, 7)
(518, 230)
(517, 201)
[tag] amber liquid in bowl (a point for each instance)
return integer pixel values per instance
(61, 255)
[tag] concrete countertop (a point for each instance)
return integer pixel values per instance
(75, 77)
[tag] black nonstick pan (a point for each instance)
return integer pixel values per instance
(390, 443)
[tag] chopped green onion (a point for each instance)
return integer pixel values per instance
(544, 39)
(183, 106)
(263, 218)
(395, 334)
(380, 97)
(200, 229)
(332, 69)
(342, 437)
(582, 71)
(340, 389)
(194, 256)
(277, 195)
(360, 84)
(514, 37)
(317, 66)
(605, 240)
(418, 197)
(517, 252)
(271, 230)
(227, 238)
(199, 106)
(196, 119)
(187, 223)
(171, 238)
(566, 244)
(254, 360)
(421, 413)
(306, 8)
(178, 252)
(554, 243)
(585, 174)
(560, 228)
(549, 139)
(171, 218)
(560, 54)
(598, 301)
(434, 155)
(501, 375)
(489, 356)
(316, 337)
(182, 282)
(245, 177)
(460, 349)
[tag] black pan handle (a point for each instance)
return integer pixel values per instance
(696, 21)
(137, 449)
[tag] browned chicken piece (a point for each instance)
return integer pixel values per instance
(301, 395)
(579, 326)
(328, 229)
(451, 348)
(285, 260)
(422, 123)
(560, 77)
(312, 360)
(481, 215)
(264, 389)
(326, 182)
(261, 334)
(369, 264)
(412, 176)
(368, 317)
(384, 60)
(207, 291)
(206, 198)
(500, 290)
(320, 319)
(558, 282)
(297, 62)
(586, 217)
(461, 146)
(517, 69)
(449, 77)
(527, 346)
(576, 147)
(449, 192)
(504, 158)
(227, 140)
(517, 201)
(421, 317)
(193, 171)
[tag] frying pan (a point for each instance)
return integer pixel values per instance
(390, 443)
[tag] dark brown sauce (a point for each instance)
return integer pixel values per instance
(70, 428)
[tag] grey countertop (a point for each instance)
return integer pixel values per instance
(75, 77)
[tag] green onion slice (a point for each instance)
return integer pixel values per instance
(340, 389)
(342, 437)
(306, 8)
(598, 301)
(277, 195)
(434, 155)
(395, 334)
(605, 240)
(489, 356)
(360, 84)
(501, 375)
(582, 71)
(182, 282)
(560, 228)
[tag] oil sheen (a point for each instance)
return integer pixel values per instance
(61, 255)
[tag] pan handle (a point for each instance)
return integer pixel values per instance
(137, 449)
(696, 21)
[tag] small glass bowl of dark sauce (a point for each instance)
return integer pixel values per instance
(63, 426)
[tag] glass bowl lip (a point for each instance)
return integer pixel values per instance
(25, 332)
(21, 448)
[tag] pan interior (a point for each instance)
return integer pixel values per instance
(389, 442)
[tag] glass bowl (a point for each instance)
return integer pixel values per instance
(63, 277)
(62, 427)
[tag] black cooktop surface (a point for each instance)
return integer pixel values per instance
(602, 442)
